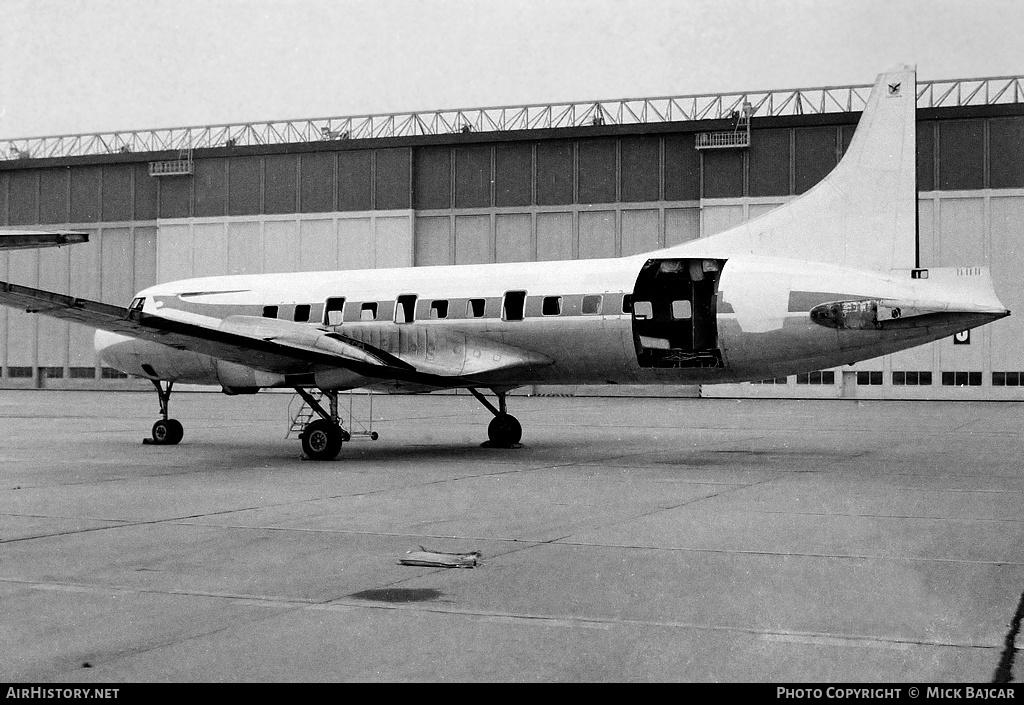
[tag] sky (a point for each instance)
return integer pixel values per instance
(82, 66)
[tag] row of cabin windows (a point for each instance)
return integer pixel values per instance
(513, 308)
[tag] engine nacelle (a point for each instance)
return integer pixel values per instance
(239, 379)
(303, 335)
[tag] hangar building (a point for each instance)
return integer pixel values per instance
(523, 183)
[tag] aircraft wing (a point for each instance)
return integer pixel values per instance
(291, 348)
(33, 239)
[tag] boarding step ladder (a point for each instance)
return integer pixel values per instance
(300, 414)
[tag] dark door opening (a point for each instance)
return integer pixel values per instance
(674, 305)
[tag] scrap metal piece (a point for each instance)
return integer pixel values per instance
(439, 559)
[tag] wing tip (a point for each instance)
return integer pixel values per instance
(36, 239)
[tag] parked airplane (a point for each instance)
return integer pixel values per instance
(825, 280)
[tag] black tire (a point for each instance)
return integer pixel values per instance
(321, 440)
(177, 432)
(167, 433)
(504, 431)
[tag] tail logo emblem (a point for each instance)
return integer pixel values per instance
(894, 89)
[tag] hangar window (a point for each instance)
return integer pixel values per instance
(911, 379)
(333, 310)
(828, 377)
(681, 310)
(301, 313)
(368, 312)
(475, 308)
(961, 379)
(552, 306)
(592, 304)
(109, 373)
(643, 310)
(439, 308)
(773, 380)
(405, 308)
(513, 306)
(1007, 379)
(270, 311)
(869, 378)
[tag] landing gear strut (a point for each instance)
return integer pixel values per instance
(322, 439)
(166, 431)
(504, 431)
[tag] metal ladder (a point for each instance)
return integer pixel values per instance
(298, 419)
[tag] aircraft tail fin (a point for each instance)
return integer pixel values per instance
(863, 214)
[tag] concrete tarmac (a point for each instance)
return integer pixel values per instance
(627, 540)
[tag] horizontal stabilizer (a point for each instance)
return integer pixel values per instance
(947, 293)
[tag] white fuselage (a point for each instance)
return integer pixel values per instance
(755, 317)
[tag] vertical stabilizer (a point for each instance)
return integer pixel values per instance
(863, 214)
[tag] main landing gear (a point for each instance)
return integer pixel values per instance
(166, 432)
(322, 439)
(504, 431)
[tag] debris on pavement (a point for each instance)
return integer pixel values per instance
(439, 559)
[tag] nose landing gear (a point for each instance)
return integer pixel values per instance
(504, 431)
(166, 431)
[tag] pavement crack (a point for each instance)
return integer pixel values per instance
(667, 508)
(1004, 671)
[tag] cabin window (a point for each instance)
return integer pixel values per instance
(137, 303)
(552, 306)
(270, 311)
(439, 308)
(627, 303)
(592, 304)
(513, 306)
(368, 312)
(405, 308)
(301, 313)
(681, 310)
(333, 310)
(643, 310)
(475, 308)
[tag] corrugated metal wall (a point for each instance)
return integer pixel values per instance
(588, 194)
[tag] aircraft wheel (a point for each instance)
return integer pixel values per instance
(321, 440)
(168, 432)
(504, 431)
